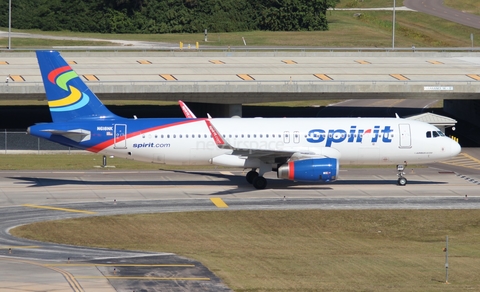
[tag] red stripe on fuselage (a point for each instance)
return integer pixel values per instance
(52, 75)
(99, 147)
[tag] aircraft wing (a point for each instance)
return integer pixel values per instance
(269, 156)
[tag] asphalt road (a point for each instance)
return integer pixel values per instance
(436, 8)
(27, 197)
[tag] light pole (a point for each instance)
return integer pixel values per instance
(393, 27)
(9, 23)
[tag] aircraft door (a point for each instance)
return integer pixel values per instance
(405, 137)
(120, 138)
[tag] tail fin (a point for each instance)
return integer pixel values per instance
(68, 96)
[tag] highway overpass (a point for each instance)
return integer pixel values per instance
(232, 78)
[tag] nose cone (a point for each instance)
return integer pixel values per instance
(455, 148)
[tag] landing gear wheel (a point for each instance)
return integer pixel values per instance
(259, 182)
(251, 175)
(402, 181)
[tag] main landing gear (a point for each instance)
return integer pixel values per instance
(258, 181)
(401, 181)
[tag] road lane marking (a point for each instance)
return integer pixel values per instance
(219, 202)
(245, 77)
(399, 77)
(217, 62)
(17, 78)
(70, 278)
(362, 62)
(58, 209)
(464, 160)
(90, 77)
(323, 76)
(474, 76)
(168, 77)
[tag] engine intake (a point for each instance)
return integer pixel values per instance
(310, 170)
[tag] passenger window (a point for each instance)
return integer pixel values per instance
(429, 134)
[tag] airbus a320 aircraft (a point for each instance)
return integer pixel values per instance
(298, 149)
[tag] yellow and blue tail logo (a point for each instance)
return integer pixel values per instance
(75, 99)
(68, 96)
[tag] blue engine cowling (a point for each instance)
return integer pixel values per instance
(311, 170)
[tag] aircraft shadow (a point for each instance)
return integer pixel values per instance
(225, 180)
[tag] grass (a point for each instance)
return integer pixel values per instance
(368, 3)
(48, 43)
(83, 161)
(309, 250)
(372, 29)
(469, 6)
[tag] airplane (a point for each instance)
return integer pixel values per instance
(297, 149)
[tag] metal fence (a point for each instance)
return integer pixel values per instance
(12, 142)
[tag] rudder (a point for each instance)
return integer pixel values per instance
(68, 96)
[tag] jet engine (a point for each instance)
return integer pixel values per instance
(310, 170)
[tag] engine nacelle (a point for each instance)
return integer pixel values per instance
(317, 169)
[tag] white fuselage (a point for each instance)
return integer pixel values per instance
(351, 140)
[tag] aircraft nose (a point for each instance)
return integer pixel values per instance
(455, 148)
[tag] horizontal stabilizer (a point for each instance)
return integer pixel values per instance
(77, 135)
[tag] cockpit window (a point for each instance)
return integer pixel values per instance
(435, 134)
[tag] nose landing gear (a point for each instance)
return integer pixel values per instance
(401, 181)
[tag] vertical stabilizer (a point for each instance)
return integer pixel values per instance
(68, 96)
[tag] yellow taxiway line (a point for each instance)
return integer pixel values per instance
(219, 202)
(58, 209)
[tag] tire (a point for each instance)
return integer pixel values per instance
(402, 181)
(251, 175)
(259, 182)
